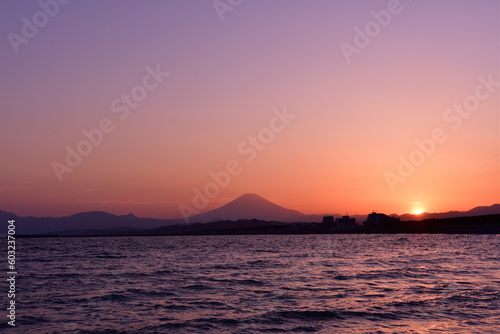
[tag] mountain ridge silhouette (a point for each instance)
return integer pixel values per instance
(247, 206)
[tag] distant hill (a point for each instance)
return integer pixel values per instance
(79, 222)
(7, 215)
(477, 211)
(249, 209)
(249, 206)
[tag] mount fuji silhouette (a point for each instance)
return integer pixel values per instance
(249, 206)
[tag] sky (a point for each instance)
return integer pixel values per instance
(159, 108)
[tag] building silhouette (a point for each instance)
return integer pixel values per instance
(328, 221)
(339, 224)
(379, 218)
(346, 223)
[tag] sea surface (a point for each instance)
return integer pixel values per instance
(258, 284)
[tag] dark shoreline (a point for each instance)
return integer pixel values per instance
(488, 224)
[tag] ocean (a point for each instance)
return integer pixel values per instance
(418, 283)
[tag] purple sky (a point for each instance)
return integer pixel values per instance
(353, 119)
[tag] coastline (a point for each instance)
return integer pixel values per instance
(487, 224)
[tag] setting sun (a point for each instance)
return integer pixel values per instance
(417, 212)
